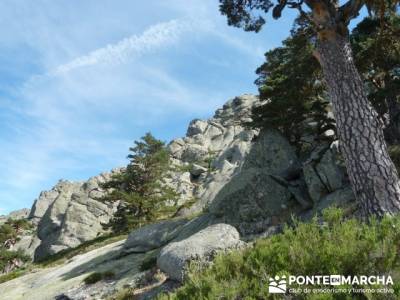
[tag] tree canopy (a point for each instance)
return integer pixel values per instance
(376, 46)
(250, 14)
(291, 81)
(291, 85)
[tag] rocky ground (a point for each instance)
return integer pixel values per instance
(241, 184)
(48, 283)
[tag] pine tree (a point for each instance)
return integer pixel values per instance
(139, 188)
(372, 173)
(376, 45)
(290, 84)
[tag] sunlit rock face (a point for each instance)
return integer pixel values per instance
(69, 215)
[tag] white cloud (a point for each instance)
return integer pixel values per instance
(156, 36)
(80, 117)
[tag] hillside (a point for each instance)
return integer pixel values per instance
(241, 184)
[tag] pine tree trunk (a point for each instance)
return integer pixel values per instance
(371, 171)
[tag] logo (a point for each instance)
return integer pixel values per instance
(330, 284)
(277, 285)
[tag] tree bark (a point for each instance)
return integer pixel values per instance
(371, 171)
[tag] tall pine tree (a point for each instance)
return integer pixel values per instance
(373, 175)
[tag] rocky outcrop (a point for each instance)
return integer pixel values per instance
(153, 236)
(212, 151)
(27, 240)
(340, 198)
(15, 215)
(201, 247)
(231, 180)
(205, 160)
(252, 180)
(68, 215)
(322, 172)
(254, 198)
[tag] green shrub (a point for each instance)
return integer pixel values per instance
(14, 274)
(97, 276)
(337, 246)
(93, 278)
(148, 263)
(10, 233)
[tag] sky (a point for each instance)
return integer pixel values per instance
(81, 80)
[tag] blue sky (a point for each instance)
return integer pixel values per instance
(81, 80)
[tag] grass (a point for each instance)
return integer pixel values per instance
(148, 263)
(15, 274)
(62, 256)
(97, 276)
(337, 246)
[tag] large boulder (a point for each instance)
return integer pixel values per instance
(202, 246)
(322, 173)
(153, 236)
(251, 200)
(339, 198)
(271, 152)
(195, 225)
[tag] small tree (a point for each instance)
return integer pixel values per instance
(140, 188)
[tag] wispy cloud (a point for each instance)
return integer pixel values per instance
(104, 75)
(156, 36)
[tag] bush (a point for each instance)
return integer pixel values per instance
(93, 278)
(337, 246)
(11, 261)
(148, 263)
(97, 276)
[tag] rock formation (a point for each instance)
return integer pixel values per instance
(68, 215)
(249, 179)
(235, 183)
